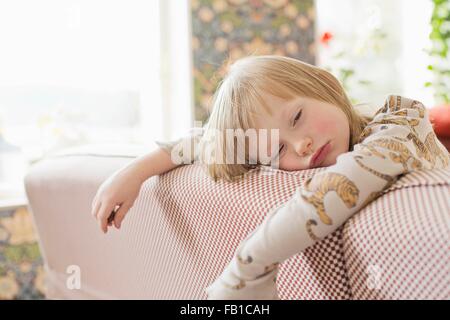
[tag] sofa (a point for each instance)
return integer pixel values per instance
(184, 228)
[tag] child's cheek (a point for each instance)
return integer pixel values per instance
(325, 126)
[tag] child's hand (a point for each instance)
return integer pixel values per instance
(118, 191)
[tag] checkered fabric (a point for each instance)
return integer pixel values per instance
(195, 226)
(317, 273)
(208, 220)
(398, 247)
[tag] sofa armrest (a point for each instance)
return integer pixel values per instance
(60, 189)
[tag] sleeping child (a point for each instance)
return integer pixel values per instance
(315, 126)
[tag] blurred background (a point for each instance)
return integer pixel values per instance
(77, 72)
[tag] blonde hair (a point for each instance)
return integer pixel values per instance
(238, 94)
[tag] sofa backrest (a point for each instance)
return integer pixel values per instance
(184, 228)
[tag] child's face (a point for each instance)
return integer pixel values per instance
(302, 134)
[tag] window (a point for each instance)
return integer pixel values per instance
(77, 72)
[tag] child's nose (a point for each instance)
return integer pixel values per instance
(303, 147)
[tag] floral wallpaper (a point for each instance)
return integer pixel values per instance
(21, 265)
(226, 30)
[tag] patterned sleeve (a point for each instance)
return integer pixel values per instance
(398, 140)
(183, 150)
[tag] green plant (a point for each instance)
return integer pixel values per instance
(440, 39)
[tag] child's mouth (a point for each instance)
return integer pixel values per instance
(320, 155)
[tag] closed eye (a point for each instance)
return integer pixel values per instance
(297, 117)
(282, 146)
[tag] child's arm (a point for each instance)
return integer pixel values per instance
(117, 194)
(122, 187)
(399, 139)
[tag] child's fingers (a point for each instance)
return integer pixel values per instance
(120, 214)
(103, 215)
(112, 215)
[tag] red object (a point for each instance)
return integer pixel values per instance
(445, 141)
(440, 117)
(326, 37)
